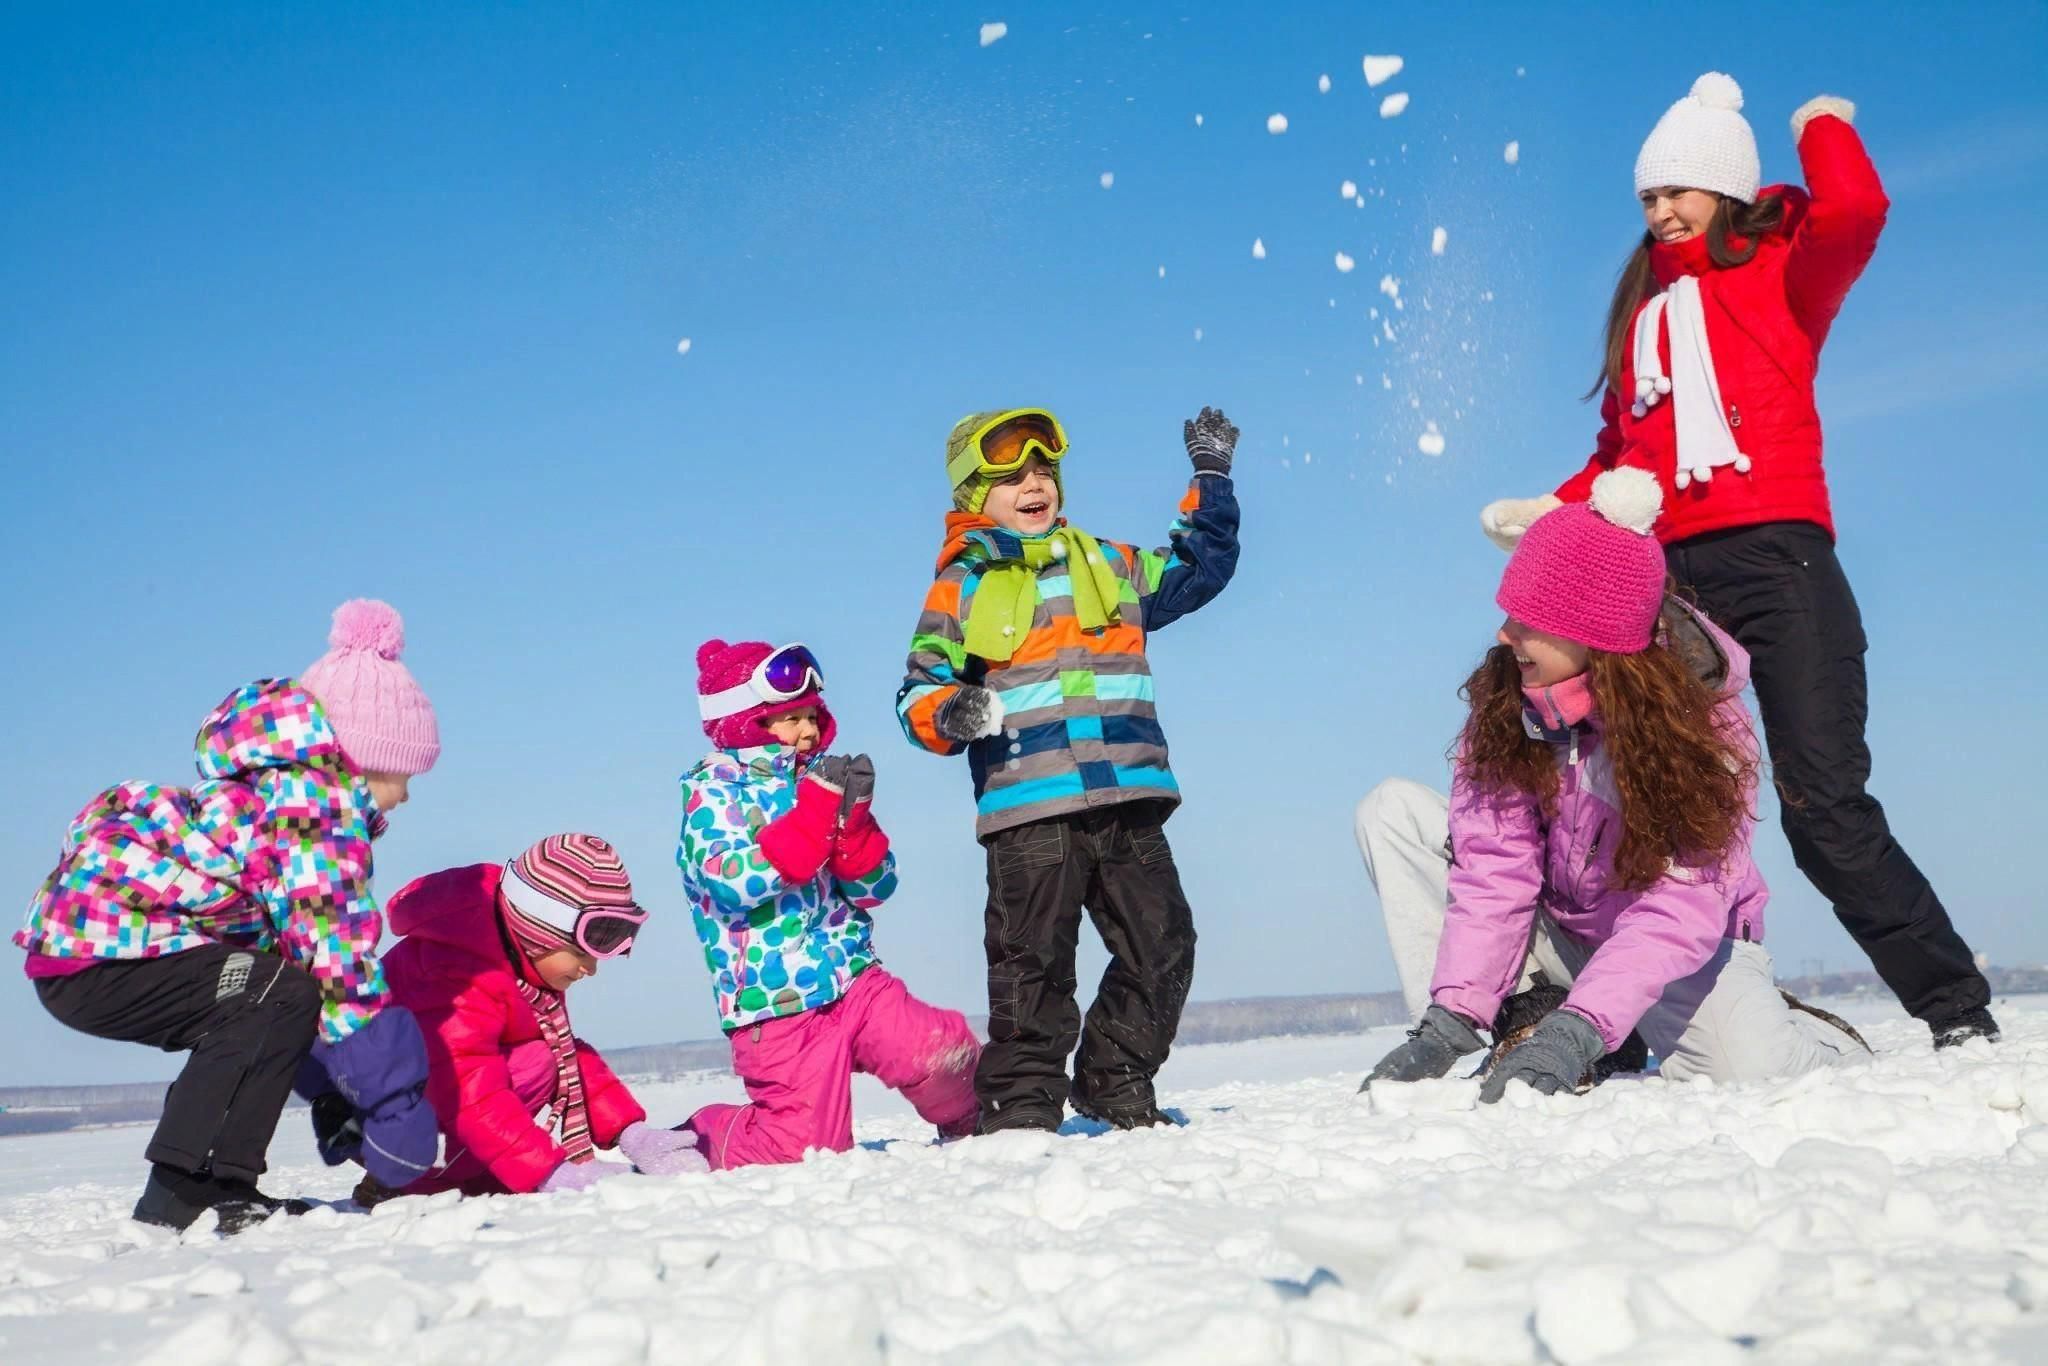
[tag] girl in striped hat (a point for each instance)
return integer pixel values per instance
(488, 956)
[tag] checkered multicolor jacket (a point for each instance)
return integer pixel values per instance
(1079, 726)
(270, 850)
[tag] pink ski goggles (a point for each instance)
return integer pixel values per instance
(600, 931)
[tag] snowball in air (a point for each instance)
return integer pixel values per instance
(1348, 190)
(1258, 248)
(1511, 153)
(1276, 123)
(1198, 120)
(1431, 442)
(1380, 70)
(991, 33)
(1392, 105)
(1323, 84)
(1108, 178)
(1436, 242)
(683, 347)
(1344, 264)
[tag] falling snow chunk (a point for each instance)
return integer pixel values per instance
(1258, 248)
(1431, 442)
(1436, 242)
(1108, 178)
(1360, 201)
(1511, 153)
(1392, 105)
(1198, 334)
(1162, 272)
(1276, 123)
(993, 33)
(1323, 85)
(1380, 70)
(1198, 120)
(1344, 264)
(1390, 287)
(1348, 190)
(683, 347)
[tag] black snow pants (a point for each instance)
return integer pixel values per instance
(1114, 861)
(247, 1018)
(1780, 591)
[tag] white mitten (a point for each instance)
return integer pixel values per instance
(1845, 110)
(1505, 519)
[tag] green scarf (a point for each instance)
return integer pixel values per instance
(1007, 596)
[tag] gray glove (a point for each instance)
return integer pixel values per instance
(1211, 441)
(1555, 1057)
(831, 770)
(969, 714)
(1431, 1049)
(860, 784)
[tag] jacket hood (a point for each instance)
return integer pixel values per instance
(271, 723)
(457, 906)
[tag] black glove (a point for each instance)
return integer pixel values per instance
(1211, 441)
(1555, 1057)
(1431, 1049)
(969, 714)
(860, 784)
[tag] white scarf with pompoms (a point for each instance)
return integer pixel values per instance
(1706, 438)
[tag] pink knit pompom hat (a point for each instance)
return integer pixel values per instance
(383, 720)
(1592, 572)
(721, 666)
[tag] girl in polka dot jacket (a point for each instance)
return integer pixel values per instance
(783, 862)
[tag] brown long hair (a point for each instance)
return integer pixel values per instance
(1733, 235)
(1684, 787)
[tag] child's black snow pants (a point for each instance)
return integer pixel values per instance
(1780, 591)
(248, 1018)
(1114, 861)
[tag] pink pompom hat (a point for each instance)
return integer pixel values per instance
(1592, 572)
(721, 666)
(383, 720)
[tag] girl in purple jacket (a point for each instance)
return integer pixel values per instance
(1597, 832)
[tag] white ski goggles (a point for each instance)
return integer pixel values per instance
(784, 676)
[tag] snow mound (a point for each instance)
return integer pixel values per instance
(1889, 1210)
(1394, 105)
(1380, 70)
(993, 33)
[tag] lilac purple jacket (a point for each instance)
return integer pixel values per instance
(1508, 859)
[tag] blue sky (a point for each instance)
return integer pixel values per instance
(308, 304)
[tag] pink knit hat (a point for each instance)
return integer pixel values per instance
(554, 886)
(383, 720)
(1592, 572)
(721, 666)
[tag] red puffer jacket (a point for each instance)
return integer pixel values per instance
(454, 970)
(1766, 322)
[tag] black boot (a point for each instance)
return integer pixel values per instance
(1020, 1116)
(1142, 1113)
(1971, 1024)
(175, 1199)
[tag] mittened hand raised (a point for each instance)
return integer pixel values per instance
(830, 770)
(1211, 440)
(859, 783)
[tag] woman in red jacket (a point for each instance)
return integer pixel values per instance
(488, 955)
(1713, 339)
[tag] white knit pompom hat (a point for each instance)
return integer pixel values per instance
(1703, 143)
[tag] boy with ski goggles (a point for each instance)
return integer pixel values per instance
(1030, 658)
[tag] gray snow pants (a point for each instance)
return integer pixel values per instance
(1725, 1021)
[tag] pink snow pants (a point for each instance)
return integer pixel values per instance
(799, 1074)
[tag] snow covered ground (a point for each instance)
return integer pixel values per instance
(1894, 1211)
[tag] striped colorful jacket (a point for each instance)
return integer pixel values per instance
(1080, 728)
(269, 851)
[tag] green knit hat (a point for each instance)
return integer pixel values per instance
(972, 492)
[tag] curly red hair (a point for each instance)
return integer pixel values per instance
(1684, 785)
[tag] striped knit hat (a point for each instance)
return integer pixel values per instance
(550, 885)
